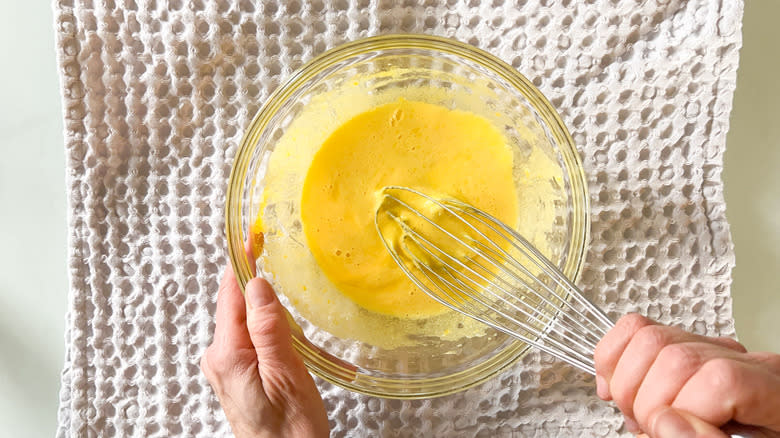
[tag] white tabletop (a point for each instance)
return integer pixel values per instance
(33, 280)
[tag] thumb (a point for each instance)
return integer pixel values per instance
(669, 422)
(266, 321)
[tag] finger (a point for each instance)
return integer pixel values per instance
(610, 348)
(642, 352)
(670, 370)
(230, 330)
(631, 424)
(729, 343)
(636, 360)
(725, 389)
(280, 366)
(770, 360)
(672, 423)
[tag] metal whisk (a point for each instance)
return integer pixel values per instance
(473, 263)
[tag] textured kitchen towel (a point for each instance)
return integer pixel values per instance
(156, 95)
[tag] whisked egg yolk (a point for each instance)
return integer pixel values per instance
(406, 143)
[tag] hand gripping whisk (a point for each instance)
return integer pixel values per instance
(473, 263)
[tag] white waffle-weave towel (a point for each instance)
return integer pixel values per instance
(156, 94)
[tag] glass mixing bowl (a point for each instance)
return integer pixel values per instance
(455, 75)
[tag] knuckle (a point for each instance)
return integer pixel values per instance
(651, 338)
(625, 328)
(206, 365)
(680, 356)
(218, 362)
(632, 322)
(721, 375)
(265, 326)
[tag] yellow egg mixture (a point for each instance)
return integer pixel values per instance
(414, 144)
(321, 185)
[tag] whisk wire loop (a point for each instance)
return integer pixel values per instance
(539, 259)
(576, 359)
(471, 262)
(461, 289)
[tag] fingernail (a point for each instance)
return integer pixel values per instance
(602, 387)
(258, 294)
(631, 425)
(670, 424)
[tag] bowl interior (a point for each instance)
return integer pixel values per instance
(329, 91)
